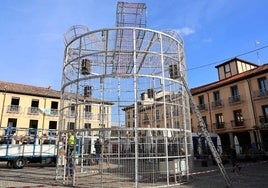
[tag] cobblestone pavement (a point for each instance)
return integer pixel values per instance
(252, 175)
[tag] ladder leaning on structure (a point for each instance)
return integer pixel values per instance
(203, 128)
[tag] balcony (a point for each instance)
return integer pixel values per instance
(235, 99)
(237, 123)
(263, 121)
(33, 110)
(202, 107)
(54, 112)
(219, 125)
(259, 94)
(88, 115)
(13, 109)
(102, 117)
(217, 104)
(145, 120)
(72, 113)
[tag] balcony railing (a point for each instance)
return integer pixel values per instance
(234, 99)
(13, 109)
(33, 111)
(219, 125)
(88, 115)
(145, 120)
(54, 112)
(72, 113)
(217, 104)
(260, 94)
(237, 124)
(202, 107)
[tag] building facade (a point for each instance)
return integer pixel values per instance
(154, 114)
(236, 105)
(31, 107)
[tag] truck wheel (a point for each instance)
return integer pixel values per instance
(19, 163)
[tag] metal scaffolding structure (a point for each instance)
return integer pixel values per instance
(131, 15)
(126, 87)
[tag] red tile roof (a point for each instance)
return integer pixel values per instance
(11, 87)
(23, 89)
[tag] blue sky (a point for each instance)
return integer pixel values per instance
(213, 30)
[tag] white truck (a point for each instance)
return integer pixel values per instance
(18, 149)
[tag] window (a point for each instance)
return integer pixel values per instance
(263, 84)
(216, 95)
(54, 105)
(234, 91)
(52, 125)
(157, 115)
(235, 97)
(35, 103)
(175, 110)
(146, 118)
(133, 113)
(87, 111)
(34, 107)
(87, 91)
(227, 68)
(217, 99)
(201, 101)
(54, 108)
(219, 121)
(33, 124)
(14, 107)
(12, 122)
(102, 125)
(72, 110)
(87, 126)
(102, 113)
(264, 118)
(70, 126)
(168, 111)
(238, 118)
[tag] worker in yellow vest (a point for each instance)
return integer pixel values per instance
(71, 142)
(71, 145)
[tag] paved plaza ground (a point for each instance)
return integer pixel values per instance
(252, 175)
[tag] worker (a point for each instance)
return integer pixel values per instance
(98, 147)
(70, 149)
(71, 142)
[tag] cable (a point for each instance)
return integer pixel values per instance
(224, 60)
